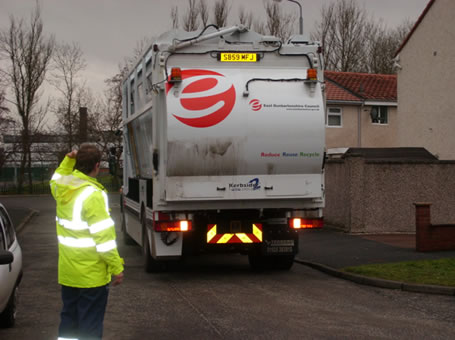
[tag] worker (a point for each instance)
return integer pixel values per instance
(88, 256)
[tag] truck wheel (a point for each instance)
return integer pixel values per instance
(256, 262)
(150, 264)
(127, 239)
(8, 317)
(261, 262)
(283, 262)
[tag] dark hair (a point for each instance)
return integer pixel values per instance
(87, 157)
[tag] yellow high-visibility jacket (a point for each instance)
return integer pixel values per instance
(88, 253)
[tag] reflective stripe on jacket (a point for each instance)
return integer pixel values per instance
(88, 253)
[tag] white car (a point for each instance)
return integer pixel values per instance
(10, 269)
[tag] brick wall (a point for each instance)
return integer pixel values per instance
(430, 237)
(377, 196)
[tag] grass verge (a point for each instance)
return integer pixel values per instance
(432, 272)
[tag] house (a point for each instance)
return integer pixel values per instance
(426, 79)
(361, 110)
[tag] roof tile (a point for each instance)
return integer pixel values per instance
(337, 93)
(379, 87)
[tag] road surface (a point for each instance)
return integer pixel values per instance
(218, 297)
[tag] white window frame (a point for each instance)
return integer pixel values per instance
(339, 113)
(380, 110)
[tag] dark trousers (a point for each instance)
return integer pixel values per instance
(83, 312)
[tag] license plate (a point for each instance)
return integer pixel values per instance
(279, 246)
(279, 250)
(239, 57)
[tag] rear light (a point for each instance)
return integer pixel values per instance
(176, 75)
(305, 223)
(312, 74)
(183, 225)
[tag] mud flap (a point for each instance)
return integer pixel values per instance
(279, 240)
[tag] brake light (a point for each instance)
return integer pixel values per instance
(183, 225)
(312, 74)
(176, 75)
(305, 223)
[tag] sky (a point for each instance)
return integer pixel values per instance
(109, 30)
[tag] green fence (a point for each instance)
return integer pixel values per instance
(40, 174)
(42, 187)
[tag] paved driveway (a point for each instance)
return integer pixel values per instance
(218, 297)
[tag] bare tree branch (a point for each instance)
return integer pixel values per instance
(221, 12)
(245, 18)
(353, 42)
(175, 17)
(203, 12)
(3, 107)
(278, 23)
(382, 45)
(29, 53)
(190, 18)
(343, 32)
(106, 119)
(69, 63)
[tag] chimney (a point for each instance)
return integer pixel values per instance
(82, 125)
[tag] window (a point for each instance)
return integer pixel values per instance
(132, 97)
(132, 102)
(140, 90)
(379, 115)
(148, 88)
(9, 230)
(125, 96)
(334, 117)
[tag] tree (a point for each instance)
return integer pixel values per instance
(175, 17)
(190, 18)
(343, 31)
(278, 23)
(221, 12)
(106, 122)
(10, 147)
(3, 108)
(353, 42)
(203, 12)
(28, 52)
(69, 63)
(382, 45)
(5, 123)
(245, 18)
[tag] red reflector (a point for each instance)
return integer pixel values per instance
(176, 75)
(173, 225)
(305, 223)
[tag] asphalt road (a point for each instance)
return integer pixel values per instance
(220, 298)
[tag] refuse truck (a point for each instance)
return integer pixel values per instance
(224, 139)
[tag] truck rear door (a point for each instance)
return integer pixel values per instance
(244, 132)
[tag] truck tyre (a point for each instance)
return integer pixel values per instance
(283, 262)
(150, 264)
(261, 262)
(257, 262)
(8, 316)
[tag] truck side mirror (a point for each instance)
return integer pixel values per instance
(6, 257)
